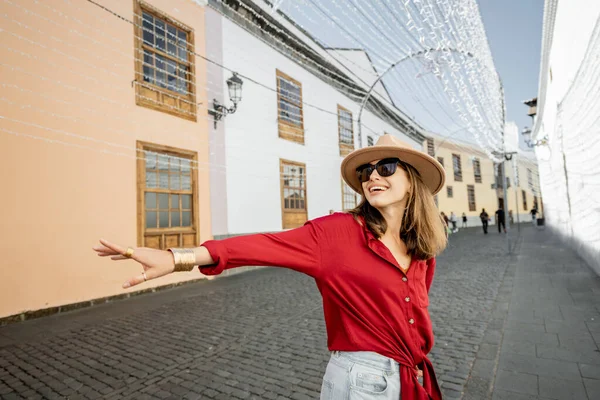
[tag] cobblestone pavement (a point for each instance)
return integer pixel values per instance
(257, 335)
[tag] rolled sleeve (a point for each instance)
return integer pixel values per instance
(298, 249)
(218, 252)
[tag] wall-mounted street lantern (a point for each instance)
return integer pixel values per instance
(234, 87)
(526, 132)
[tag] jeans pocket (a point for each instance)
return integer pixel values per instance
(367, 380)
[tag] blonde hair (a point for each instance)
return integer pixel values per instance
(422, 228)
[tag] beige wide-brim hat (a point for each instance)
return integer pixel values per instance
(431, 171)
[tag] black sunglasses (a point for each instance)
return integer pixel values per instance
(385, 167)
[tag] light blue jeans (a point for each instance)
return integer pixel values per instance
(361, 375)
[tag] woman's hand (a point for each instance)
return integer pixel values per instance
(156, 263)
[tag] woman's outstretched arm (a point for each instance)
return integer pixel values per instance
(297, 249)
(155, 263)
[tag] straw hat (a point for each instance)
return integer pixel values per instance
(431, 171)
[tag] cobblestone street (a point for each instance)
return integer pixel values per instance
(255, 335)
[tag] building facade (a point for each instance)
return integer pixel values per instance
(113, 116)
(565, 131)
(277, 158)
(474, 182)
(105, 129)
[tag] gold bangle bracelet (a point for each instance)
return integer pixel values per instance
(185, 259)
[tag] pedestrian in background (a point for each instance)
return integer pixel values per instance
(464, 220)
(485, 218)
(373, 266)
(453, 221)
(533, 212)
(446, 222)
(500, 219)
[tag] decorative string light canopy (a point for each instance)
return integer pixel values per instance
(443, 91)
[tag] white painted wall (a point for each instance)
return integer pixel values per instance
(253, 148)
(215, 82)
(569, 165)
(358, 63)
(574, 23)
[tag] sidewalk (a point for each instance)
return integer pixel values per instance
(544, 337)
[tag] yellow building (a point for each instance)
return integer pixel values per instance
(474, 182)
(101, 135)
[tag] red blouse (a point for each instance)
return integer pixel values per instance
(369, 303)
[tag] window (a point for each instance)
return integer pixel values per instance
(369, 140)
(535, 202)
(457, 167)
(349, 197)
(471, 197)
(477, 170)
(293, 194)
(289, 108)
(441, 160)
(164, 66)
(524, 194)
(449, 192)
(345, 131)
(430, 147)
(499, 176)
(167, 198)
(529, 178)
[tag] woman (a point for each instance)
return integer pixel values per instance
(373, 266)
(464, 220)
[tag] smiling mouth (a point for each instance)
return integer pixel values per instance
(377, 189)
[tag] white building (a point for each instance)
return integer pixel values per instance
(275, 162)
(566, 126)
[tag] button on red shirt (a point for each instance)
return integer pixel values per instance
(369, 303)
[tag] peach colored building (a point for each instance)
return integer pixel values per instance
(103, 133)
